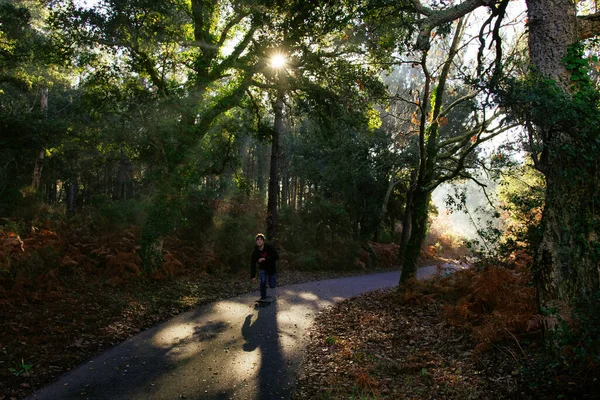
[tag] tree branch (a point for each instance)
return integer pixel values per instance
(482, 185)
(421, 9)
(460, 162)
(254, 106)
(225, 103)
(439, 17)
(233, 58)
(263, 85)
(423, 122)
(477, 130)
(229, 26)
(449, 108)
(588, 26)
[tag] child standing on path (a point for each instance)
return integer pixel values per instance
(265, 258)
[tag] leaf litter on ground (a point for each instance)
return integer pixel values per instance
(394, 344)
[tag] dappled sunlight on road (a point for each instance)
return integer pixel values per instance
(245, 363)
(173, 333)
(307, 296)
(182, 333)
(182, 352)
(191, 329)
(233, 309)
(214, 372)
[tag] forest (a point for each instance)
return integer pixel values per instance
(144, 144)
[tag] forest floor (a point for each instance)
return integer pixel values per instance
(375, 347)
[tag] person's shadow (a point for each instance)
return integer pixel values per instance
(263, 334)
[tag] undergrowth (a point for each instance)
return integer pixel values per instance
(40, 258)
(497, 306)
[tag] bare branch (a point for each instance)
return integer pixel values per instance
(456, 103)
(405, 100)
(482, 185)
(480, 128)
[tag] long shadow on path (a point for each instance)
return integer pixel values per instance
(262, 335)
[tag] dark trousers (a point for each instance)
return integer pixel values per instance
(264, 278)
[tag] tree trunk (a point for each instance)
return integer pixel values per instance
(51, 192)
(70, 199)
(37, 169)
(294, 192)
(552, 29)
(417, 236)
(39, 161)
(426, 180)
(408, 211)
(301, 194)
(124, 176)
(284, 189)
(565, 265)
(384, 205)
(274, 172)
(260, 170)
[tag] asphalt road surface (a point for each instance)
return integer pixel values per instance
(225, 350)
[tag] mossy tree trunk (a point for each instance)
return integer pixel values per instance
(420, 214)
(567, 260)
(407, 218)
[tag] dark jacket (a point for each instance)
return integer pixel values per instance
(269, 265)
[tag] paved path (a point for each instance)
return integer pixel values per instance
(224, 350)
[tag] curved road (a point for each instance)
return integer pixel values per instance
(224, 350)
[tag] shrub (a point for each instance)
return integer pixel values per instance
(579, 341)
(573, 370)
(386, 254)
(497, 303)
(32, 211)
(30, 266)
(307, 261)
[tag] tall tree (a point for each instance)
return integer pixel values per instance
(567, 259)
(203, 47)
(443, 158)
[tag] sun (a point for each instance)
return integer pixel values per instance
(278, 61)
